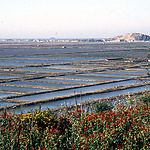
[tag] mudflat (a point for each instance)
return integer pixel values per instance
(87, 49)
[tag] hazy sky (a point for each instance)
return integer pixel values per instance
(73, 18)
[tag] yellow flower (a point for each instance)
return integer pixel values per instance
(37, 114)
(47, 118)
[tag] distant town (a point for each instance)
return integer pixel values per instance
(129, 37)
(53, 40)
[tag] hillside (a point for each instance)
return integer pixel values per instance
(131, 37)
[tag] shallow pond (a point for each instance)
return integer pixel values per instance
(21, 89)
(124, 72)
(62, 67)
(65, 80)
(70, 101)
(77, 90)
(6, 104)
(57, 58)
(146, 68)
(17, 64)
(34, 60)
(44, 70)
(3, 94)
(39, 84)
(111, 75)
(7, 76)
(84, 77)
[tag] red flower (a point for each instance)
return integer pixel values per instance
(120, 146)
(92, 136)
(147, 145)
(57, 140)
(141, 145)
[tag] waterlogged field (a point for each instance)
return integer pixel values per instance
(52, 75)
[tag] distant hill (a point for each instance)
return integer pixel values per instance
(130, 37)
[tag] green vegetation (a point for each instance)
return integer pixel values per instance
(125, 127)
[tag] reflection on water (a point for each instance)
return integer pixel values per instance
(6, 104)
(71, 101)
(7, 76)
(40, 84)
(84, 77)
(5, 95)
(33, 60)
(20, 89)
(65, 80)
(77, 90)
(44, 70)
(110, 75)
(57, 58)
(62, 67)
(125, 72)
(16, 64)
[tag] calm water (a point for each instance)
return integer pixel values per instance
(62, 67)
(65, 80)
(5, 94)
(124, 72)
(110, 75)
(6, 104)
(7, 76)
(39, 84)
(84, 77)
(70, 101)
(45, 59)
(76, 90)
(57, 58)
(20, 89)
(33, 60)
(17, 64)
(44, 70)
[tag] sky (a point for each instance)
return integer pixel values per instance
(73, 18)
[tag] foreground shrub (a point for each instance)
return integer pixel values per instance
(102, 106)
(125, 128)
(145, 98)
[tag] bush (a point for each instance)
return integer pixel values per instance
(145, 98)
(126, 128)
(102, 106)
